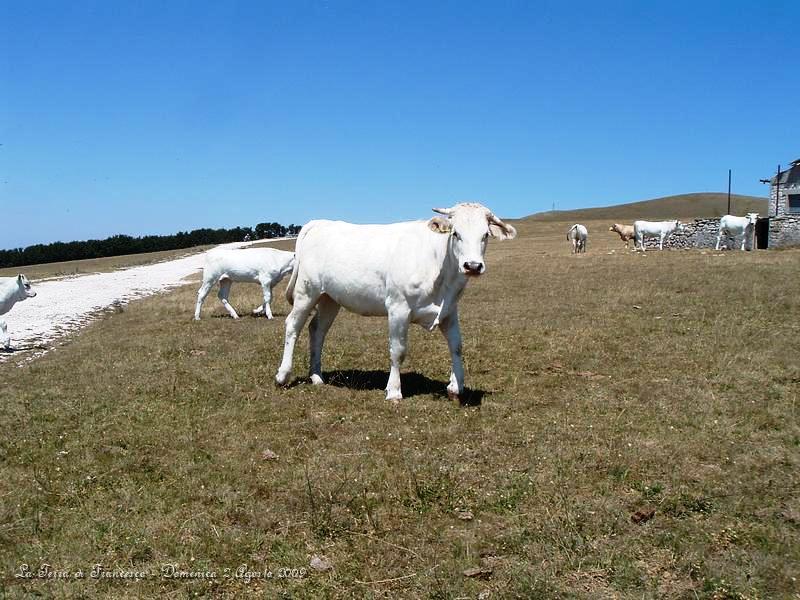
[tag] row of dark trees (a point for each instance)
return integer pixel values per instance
(125, 244)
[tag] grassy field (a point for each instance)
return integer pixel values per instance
(633, 433)
(98, 265)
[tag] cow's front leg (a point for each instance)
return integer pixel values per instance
(398, 341)
(661, 242)
(327, 309)
(452, 333)
(4, 335)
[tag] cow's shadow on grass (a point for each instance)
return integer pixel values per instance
(14, 349)
(413, 384)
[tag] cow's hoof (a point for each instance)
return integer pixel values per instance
(316, 379)
(453, 395)
(281, 378)
(394, 395)
(452, 391)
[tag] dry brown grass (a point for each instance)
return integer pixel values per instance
(141, 442)
(683, 206)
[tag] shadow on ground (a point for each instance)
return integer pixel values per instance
(413, 384)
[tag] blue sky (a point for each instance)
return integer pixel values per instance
(153, 117)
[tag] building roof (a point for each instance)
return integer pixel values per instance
(790, 176)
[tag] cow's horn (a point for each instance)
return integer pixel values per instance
(443, 211)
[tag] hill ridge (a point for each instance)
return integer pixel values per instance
(696, 205)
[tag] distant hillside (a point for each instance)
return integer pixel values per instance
(683, 206)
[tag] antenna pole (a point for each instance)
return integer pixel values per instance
(729, 191)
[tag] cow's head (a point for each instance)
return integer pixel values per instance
(751, 218)
(469, 226)
(25, 290)
(679, 226)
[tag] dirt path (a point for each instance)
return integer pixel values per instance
(65, 305)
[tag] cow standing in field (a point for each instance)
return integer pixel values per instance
(578, 235)
(626, 233)
(265, 266)
(12, 290)
(659, 229)
(733, 226)
(412, 272)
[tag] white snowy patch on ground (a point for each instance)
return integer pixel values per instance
(63, 306)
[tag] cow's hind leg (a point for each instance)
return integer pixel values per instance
(266, 288)
(327, 309)
(303, 305)
(452, 333)
(224, 291)
(398, 342)
(4, 335)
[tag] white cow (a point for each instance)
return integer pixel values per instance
(578, 235)
(12, 290)
(412, 272)
(266, 266)
(660, 229)
(733, 226)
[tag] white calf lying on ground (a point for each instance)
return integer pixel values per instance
(625, 232)
(12, 290)
(733, 226)
(659, 229)
(578, 235)
(266, 266)
(412, 272)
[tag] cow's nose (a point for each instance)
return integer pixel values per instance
(473, 268)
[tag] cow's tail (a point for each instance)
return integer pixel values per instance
(570, 231)
(293, 278)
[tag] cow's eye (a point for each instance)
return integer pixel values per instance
(456, 236)
(485, 236)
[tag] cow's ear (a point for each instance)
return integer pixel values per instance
(502, 232)
(440, 225)
(19, 277)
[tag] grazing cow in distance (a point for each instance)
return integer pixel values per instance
(412, 272)
(578, 235)
(12, 290)
(626, 233)
(733, 226)
(265, 266)
(659, 229)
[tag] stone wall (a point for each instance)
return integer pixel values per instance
(784, 231)
(700, 233)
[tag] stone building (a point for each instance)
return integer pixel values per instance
(781, 228)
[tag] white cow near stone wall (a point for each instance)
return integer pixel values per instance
(265, 266)
(12, 290)
(659, 229)
(412, 272)
(733, 226)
